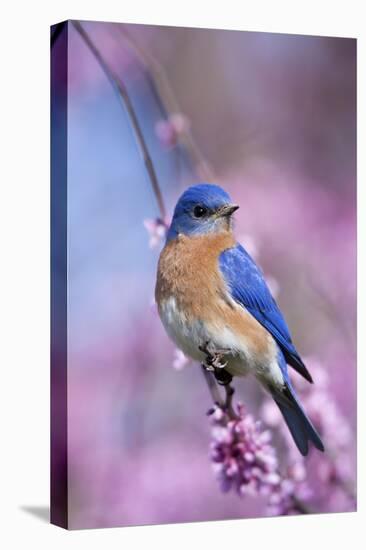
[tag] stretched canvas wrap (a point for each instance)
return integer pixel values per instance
(203, 274)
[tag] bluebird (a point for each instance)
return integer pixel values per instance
(211, 296)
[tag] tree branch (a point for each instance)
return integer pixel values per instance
(123, 95)
(212, 387)
(167, 102)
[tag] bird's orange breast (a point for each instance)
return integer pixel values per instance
(188, 271)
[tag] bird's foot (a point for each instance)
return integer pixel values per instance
(214, 357)
(214, 363)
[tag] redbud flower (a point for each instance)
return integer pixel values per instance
(157, 231)
(242, 455)
(169, 131)
(245, 461)
(180, 360)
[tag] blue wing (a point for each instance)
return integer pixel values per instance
(248, 287)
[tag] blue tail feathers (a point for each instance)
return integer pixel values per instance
(298, 423)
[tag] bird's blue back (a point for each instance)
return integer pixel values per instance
(248, 287)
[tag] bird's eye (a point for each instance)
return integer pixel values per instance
(199, 211)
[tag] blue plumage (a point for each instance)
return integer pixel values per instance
(301, 428)
(248, 288)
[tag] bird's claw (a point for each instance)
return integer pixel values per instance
(214, 357)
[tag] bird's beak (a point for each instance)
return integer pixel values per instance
(227, 210)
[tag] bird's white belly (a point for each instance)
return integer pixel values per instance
(189, 336)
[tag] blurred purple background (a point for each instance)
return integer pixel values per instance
(275, 116)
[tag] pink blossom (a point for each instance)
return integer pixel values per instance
(170, 130)
(180, 360)
(156, 229)
(242, 455)
(244, 460)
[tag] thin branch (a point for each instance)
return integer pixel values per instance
(150, 69)
(166, 101)
(213, 387)
(122, 93)
(229, 391)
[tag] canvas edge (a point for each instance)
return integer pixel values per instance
(58, 208)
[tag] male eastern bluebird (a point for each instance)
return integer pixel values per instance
(211, 295)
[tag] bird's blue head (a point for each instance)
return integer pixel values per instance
(202, 209)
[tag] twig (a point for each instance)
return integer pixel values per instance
(167, 102)
(151, 68)
(122, 93)
(213, 387)
(229, 390)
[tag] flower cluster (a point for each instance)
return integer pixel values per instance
(242, 455)
(244, 460)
